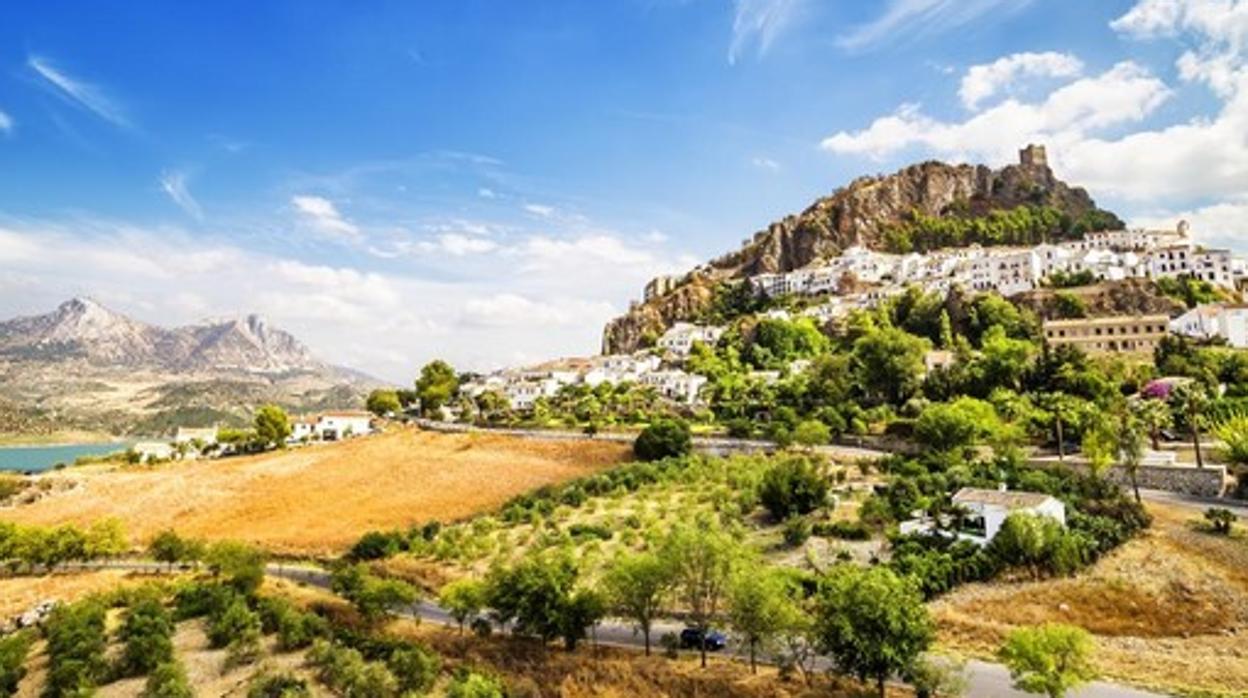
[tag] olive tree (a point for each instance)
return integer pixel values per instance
(702, 558)
(1050, 659)
(636, 586)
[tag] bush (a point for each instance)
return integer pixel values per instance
(797, 530)
(583, 531)
(168, 680)
(665, 438)
(792, 487)
(470, 684)
(415, 668)
(844, 530)
(376, 545)
(1220, 520)
(233, 620)
(13, 651)
(148, 636)
(345, 671)
(267, 685)
(76, 645)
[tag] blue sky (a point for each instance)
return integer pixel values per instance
(490, 181)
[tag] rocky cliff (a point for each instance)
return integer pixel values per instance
(862, 213)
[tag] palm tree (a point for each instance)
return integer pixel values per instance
(1155, 416)
(1193, 400)
(1129, 435)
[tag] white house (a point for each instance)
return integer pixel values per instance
(988, 510)
(154, 450)
(680, 337)
(332, 426)
(675, 385)
(185, 435)
(301, 429)
(1227, 321)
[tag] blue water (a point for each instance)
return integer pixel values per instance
(38, 458)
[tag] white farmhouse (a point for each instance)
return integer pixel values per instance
(302, 429)
(680, 338)
(332, 426)
(1229, 322)
(988, 510)
(149, 451)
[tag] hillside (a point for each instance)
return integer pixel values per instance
(916, 208)
(85, 366)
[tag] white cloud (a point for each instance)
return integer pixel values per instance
(540, 210)
(764, 163)
(1124, 94)
(84, 94)
(905, 19)
(487, 193)
(984, 81)
(758, 23)
(457, 245)
(6, 122)
(1224, 224)
(323, 216)
(514, 310)
(174, 183)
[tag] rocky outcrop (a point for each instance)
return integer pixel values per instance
(861, 214)
(646, 321)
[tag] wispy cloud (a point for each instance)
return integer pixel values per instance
(84, 94)
(765, 163)
(540, 210)
(758, 23)
(174, 183)
(905, 19)
(6, 122)
(323, 216)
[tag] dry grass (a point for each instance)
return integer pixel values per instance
(20, 594)
(1169, 610)
(318, 500)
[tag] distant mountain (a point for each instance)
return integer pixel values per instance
(88, 367)
(882, 212)
(83, 329)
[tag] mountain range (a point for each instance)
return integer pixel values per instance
(84, 366)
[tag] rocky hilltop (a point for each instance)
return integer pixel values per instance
(85, 366)
(863, 213)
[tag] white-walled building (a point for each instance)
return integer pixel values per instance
(1230, 322)
(679, 339)
(988, 510)
(186, 435)
(676, 385)
(332, 426)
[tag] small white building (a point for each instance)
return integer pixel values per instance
(302, 429)
(149, 451)
(332, 426)
(676, 385)
(679, 339)
(1227, 321)
(187, 435)
(988, 509)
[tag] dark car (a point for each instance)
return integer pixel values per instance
(691, 638)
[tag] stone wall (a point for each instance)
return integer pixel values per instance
(1209, 481)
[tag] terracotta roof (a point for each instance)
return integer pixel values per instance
(1009, 500)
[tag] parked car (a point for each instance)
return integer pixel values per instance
(691, 638)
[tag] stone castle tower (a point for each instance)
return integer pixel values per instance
(1033, 156)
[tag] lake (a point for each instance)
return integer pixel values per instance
(38, 458)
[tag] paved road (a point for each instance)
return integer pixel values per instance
(1196, 503)
(984, 679)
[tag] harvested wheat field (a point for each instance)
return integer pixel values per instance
(1169, 611)
(318, 499)
(20, 594)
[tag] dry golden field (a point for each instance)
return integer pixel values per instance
(1169, 610)
(317, 500)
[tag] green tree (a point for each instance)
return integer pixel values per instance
(1130, 436)
(373, 597)
(170, 548)
(702, 558)
(435, 387)
(759, 603)
(792, 487)
(168, 680)
(811, 433)
(871, 622)
(272, 425)
(1050, 659)
(415, 668)
(241, 565)
(1099, 445)
(76, 644)
(888, 364)
(956, 425)
(636, 587)
(463, 599)
(539, 595)
(1192, 399)
(665, 438)
(147, 632)
(383, 402)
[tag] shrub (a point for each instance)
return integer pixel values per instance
(415, 668)
(1220, 520)
(844, 530)
(792, 487)
(470, 684)
(665, 438)
(268, 685)
(76, 644)
(232, 621)
(583, 531)
(168, 680)
(376, 545)
(797, 530)
(148, 636)
(13, 651)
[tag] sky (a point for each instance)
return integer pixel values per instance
(490, 182)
